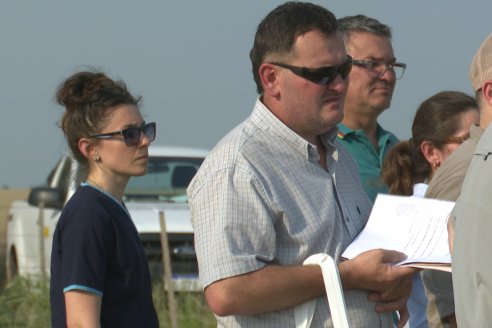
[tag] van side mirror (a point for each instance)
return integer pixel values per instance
(50, 197)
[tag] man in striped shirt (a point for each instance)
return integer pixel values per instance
(279, 188)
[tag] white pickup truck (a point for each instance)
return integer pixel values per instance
(163, 188)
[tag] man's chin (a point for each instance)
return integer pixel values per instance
(382, 104)
(383, 98)
(334, 117)
(340, 117)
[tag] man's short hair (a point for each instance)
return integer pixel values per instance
(278, 31)
(362, 24)
(481, 66)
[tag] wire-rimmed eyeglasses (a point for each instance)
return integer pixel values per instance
(378, 68)
(458, 140)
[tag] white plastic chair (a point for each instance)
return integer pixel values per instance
(304, 312)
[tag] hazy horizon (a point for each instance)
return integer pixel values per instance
(189, 60)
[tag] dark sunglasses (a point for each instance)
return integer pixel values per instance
(131, 135)
(322, 75)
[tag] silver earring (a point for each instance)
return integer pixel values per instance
(96, 158)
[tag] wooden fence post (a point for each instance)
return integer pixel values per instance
(168, 280)
(42, 256)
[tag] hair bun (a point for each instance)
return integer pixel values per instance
(89, 98)
(79, 89)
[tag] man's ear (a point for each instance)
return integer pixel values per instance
(269, 79)
(487, 91)
(431, 153)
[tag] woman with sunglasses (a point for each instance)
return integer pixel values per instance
(99, 272)
(441, 124)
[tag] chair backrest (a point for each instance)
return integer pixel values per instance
(182, 176)
(303, 313)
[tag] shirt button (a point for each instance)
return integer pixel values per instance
(347, 219)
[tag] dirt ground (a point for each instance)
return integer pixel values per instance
(6, 198)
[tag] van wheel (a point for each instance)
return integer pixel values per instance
(12, 266)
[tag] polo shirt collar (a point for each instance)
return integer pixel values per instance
(346, 132)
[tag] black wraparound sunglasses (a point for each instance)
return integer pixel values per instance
(322, 75)
(131, 135)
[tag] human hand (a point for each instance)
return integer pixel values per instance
(399, 305)
(374, 271)
(403, 317)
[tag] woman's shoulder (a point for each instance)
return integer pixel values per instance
(89, 205)
(87, 198)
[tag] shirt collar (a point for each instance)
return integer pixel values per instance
(475, 131)
(344, 132)
(263, 118)
(120, 204)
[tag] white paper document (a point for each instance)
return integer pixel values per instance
(412, 225)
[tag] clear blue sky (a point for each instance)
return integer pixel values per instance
(189, 61)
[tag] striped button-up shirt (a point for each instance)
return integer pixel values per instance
(261, 197)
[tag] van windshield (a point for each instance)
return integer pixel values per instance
(166, 180)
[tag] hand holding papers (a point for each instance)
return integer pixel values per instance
(414, 226)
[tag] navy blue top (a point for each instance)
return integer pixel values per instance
(96, 248)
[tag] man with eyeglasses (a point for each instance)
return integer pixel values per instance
(280, 188)
(372, 81)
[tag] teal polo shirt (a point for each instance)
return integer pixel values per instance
(367, 158)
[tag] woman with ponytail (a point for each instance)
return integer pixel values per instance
(441, 124)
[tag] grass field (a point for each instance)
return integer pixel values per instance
(7, 196)
(25, 303)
